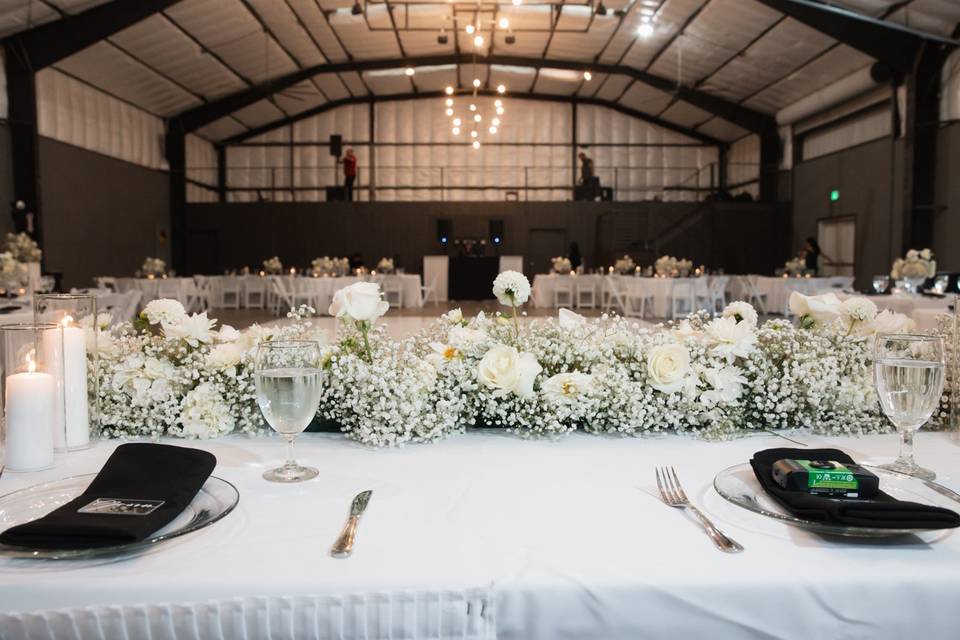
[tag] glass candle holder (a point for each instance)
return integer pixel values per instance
(32, 405)
(76, 315)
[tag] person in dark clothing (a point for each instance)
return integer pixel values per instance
(588, 177)
(812, 255)
(575, 259)
(349, 173)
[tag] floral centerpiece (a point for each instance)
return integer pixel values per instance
(668, 266)
(322, 266)
(386, 265)
(23, 248)
(153, 267)
(273, 266)
(176, 374)
(913, 269)
(13, 274)
(625, 265)
(560, 264)
(795, 266)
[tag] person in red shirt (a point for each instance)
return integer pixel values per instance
(349, 173)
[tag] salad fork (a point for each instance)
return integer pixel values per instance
(672, 494)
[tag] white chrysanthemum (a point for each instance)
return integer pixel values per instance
(454, 316)
(731, 339)
(463, 337)
(726, 385)
(567, 387)
(741, 311)
(506, 371)
(225, 355)
(205, 414)
(685, 329)
(193, 330)
(856, 313)
(890, 322)
(511, 288)
(164, 311)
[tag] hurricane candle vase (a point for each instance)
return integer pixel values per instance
(76, 315)
(33, 408)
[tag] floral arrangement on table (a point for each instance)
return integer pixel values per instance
(153, 267)
(625, 265)
(668, 266)
(23, 248)
(330, 266)
(916, 265)
(560, 264)
(13, 273)
(273, 266)
(795, 267)
(175, 374)
(386, 265)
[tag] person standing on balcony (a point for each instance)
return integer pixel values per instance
(588, 177)
(349, 173)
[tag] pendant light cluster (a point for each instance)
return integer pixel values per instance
(472, 122)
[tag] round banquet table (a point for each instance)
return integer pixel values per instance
(485, 535)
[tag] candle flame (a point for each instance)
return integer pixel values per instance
(31, 365)
(67, 321)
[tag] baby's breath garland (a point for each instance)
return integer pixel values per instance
(173, 374)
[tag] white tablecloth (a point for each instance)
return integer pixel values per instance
(486, 535)
(545, 285)
(778, 290)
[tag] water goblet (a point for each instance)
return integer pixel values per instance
(881, 284)
(909, 378)
(288, 392)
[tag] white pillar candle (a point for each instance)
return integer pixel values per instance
(73, 428)
(53, 357)
(30, 407)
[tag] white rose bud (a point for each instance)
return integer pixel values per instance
(360, 301)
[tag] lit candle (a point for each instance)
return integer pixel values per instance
(71, 360)
(611, 270)
(30, 407)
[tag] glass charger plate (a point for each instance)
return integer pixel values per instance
(215, 500)
(739, 485)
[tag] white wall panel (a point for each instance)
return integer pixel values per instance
(849, 133)
(4, 107)
(76, 113)
(201, 159)
(950, 92)
(743, 162)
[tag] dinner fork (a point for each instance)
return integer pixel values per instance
(673, 495)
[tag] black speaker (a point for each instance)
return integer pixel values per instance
(336, 145)
(496, 231)
(444, 231)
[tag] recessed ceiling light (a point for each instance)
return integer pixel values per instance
(492, 129)
(449, 102)
(477, 118)
(498, 102)
(495, 122)
(449, 112)
(473, 107)
(499, 111)
(456, 131)
(473, 134)
(457, 122)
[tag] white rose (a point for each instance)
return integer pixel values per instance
(741, 311)
(511, 288)
(668, 366)
(566, 387)
(505, 370)
(570, 320)
(820, 310)
(160, 311)
(360, 301)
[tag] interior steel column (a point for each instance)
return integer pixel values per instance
(221, 173)
(24, 138)
(177, 159)
(372, 160)
(573, 143)
(769, 163)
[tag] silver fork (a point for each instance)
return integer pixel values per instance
(673, 495)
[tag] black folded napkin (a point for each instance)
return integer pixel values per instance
(11, 309)
(882, 511)
(140, 490)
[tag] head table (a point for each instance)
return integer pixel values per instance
(489, 536)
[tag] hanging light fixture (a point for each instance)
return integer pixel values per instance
(470, 29)
(587, 76)
(476, 83)
(409, 71)
(356, 9)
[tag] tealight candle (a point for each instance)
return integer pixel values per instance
(30, 402)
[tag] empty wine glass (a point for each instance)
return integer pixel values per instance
(909, 377)
(288, 393)
(881, 284)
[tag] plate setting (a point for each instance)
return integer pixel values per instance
(215, 500)
(739, 485)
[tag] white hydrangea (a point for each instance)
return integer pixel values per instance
(164, 310)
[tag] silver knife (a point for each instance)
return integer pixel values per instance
(343, 547)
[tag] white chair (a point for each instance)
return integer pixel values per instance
(637, 299)
(227, 294)
(106, 283)
(170, 288)
(430, 291)
(682, 299)
(563, 292)
(703, 297)
(281, 295)
(752, 293)
(254, 292)
(586, 292)
(193, 297)
(718, 293)
(613, 294)
(392, 287)
(204, 289)
(304, 291)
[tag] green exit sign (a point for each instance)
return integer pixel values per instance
(835, 195)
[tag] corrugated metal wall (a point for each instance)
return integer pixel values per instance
(201, 160)
(419, 158)
(743, 166)
(950, 94)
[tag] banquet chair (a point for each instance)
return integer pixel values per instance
(702, 295)
(304, 291)
(752, 293)
(228, 292)
(171, 288)
(192, 296)
(637, 298)
(392, 287)
(114, 304)
(613, 294)
(563, 292)
(254, 292)
(718, 293)
(430, 290)
(204, 289)
(586, 293)
(281, 295)
(106, 283)
(682, 299)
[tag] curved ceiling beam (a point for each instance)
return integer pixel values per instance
(200, 116)
(690, 133)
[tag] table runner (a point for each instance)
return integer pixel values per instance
(558, 538)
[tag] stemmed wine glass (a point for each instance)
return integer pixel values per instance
(288, 392)
(910, 376)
